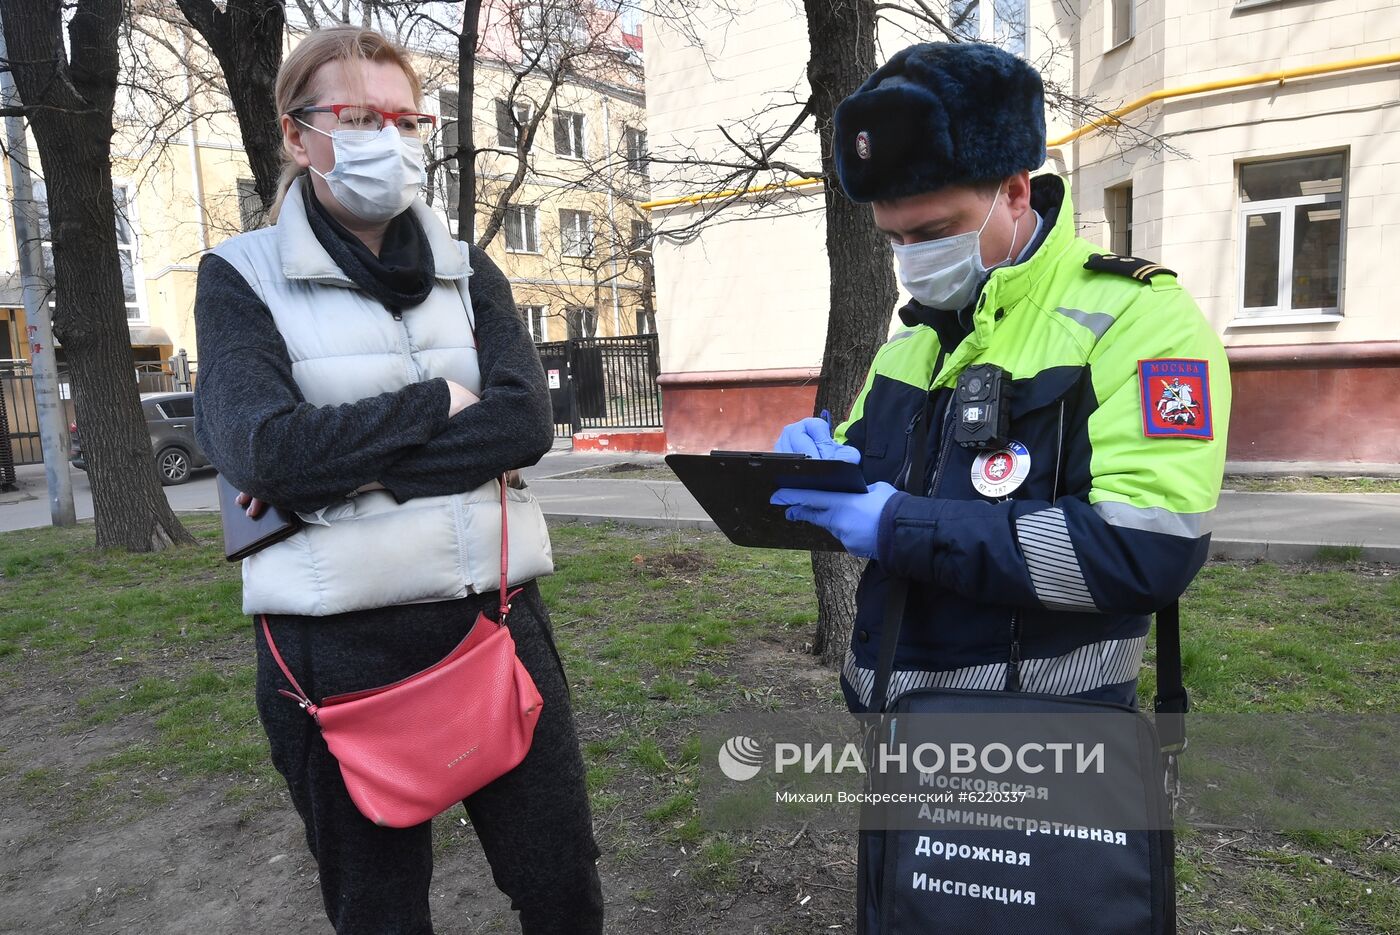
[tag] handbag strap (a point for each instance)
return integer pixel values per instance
(300, 696)
(505, 557)
(1170, 703)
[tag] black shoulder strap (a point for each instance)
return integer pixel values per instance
(897, 591)
(1131, 266)
(1171, 701)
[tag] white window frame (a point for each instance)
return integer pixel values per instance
(588, 318)
(988, 20)
(1120, 225)
(636, 157)
(1283, 312)
(138, 275)
(1109, 42)
(448, 179)
(535, 321)
(576, 240)
(246, 193)
(577, 125)
(523, 112)
(529, 229)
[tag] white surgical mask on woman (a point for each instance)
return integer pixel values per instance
(944, 273)
(377, 173)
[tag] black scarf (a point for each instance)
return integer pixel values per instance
(400, 277)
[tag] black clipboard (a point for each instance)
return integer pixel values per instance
(244, 535)
(734, 488)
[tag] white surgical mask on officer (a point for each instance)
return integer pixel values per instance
(377, 173)
(946, 272)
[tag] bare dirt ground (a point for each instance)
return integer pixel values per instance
(154, 853)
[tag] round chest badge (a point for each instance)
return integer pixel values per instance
(997, 473)
(863, 144)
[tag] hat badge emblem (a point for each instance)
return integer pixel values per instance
(863, 144)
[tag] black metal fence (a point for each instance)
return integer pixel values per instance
(599, 383)
(19, 418)
(19, 410)
(594, 383)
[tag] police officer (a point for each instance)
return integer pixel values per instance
(1059, 508)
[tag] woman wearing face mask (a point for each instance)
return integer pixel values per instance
(362, 368)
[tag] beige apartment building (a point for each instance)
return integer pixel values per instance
(571, 240)
(1260, 163)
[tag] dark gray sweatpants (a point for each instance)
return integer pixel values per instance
(533, 822)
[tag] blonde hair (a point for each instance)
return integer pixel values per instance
(295, 79)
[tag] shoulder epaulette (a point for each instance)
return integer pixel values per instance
(1130, 266)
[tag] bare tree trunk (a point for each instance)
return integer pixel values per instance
(466, 120)
(68, 100)
(246, 37)
(841, 34)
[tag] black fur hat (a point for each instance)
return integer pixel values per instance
(936, 114)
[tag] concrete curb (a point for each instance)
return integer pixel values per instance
(1246, 550)
(1239, 550)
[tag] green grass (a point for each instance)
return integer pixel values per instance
(1263, 637)
(651, 627)
(1310, 483)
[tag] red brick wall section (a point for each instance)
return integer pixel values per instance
(1321, 414)
(1337, 402)
(732, 416)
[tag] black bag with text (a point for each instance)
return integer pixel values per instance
(1074, 880)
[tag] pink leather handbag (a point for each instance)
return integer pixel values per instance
(411, 750)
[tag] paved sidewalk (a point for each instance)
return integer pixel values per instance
(1279, 526)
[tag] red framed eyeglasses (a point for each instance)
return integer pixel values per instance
(360, 117)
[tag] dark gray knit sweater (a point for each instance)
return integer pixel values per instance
(259, 431)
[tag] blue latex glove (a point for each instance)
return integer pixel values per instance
(854, 518)
(812, 437)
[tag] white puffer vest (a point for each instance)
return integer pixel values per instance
(371, 551)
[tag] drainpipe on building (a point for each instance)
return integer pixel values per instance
(53, 432)
(612, 218)
(196, 176)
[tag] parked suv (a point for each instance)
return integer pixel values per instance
(170, 420)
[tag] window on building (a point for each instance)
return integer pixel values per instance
(582, 321)
(522, 229)
(250, 209)
(568, 133)
(575, 232)
(1118, 207)
(636, 150)
(1009, 19)
(449, 136)
(508, 130)
(1292, 230)
(535, 321)
(549, 29)
(965, 18)
(7, 342)
(126, 243)
(646, 321)
(641, 237)
(1003, 22)
(1121, 21)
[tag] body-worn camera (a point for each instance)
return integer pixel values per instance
(982, 405)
